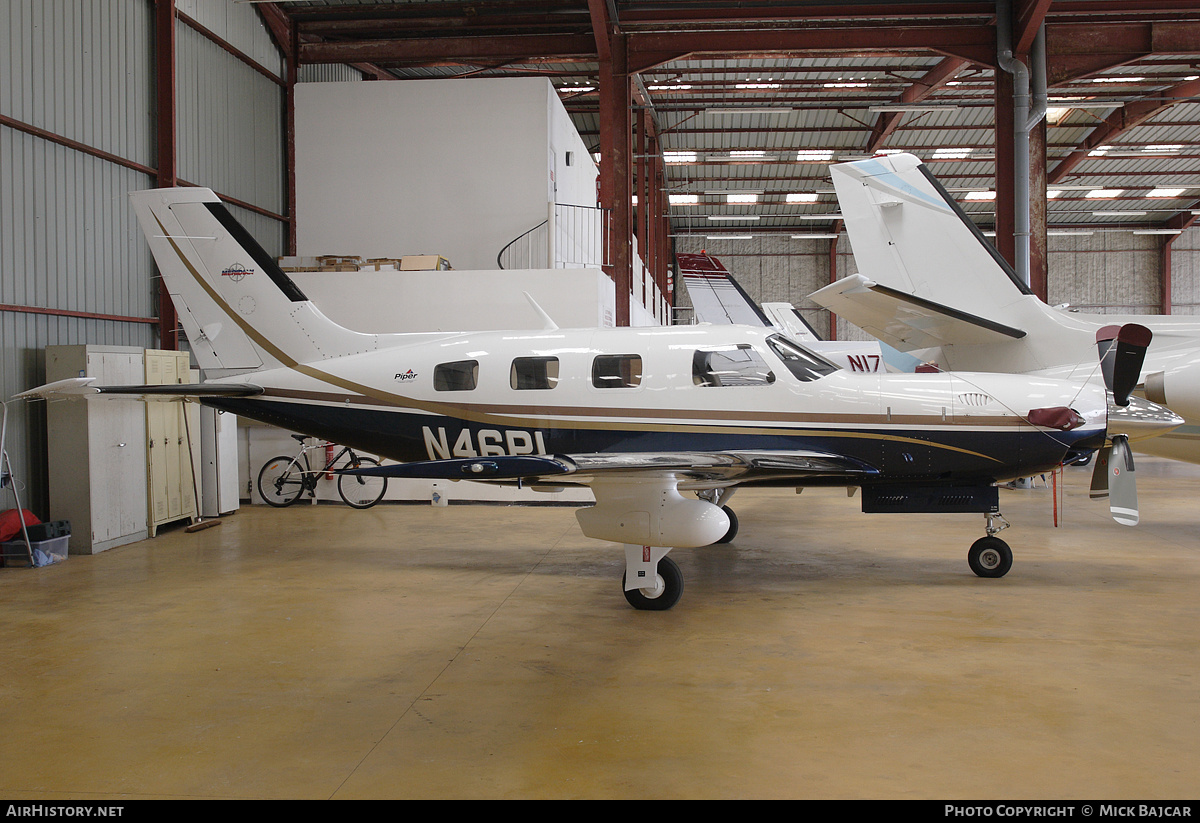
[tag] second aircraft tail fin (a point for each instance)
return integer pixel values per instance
(910, 235)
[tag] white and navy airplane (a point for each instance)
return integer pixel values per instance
(662, 424)
(930, 284)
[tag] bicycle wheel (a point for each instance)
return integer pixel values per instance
(361, 491)
(280, 481)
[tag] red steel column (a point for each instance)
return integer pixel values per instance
(167, 177)
(616, 169)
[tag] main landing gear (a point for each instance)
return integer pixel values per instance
(990, 556)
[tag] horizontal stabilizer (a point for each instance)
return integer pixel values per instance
(83, 387)
(906, 321)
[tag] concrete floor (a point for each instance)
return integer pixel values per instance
(487, 652)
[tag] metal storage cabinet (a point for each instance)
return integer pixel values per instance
(173, 430)
(97, 449)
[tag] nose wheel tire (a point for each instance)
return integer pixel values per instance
(990, 557)
(665, 593)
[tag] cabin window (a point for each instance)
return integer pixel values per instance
(803, 364)
(461, 375)
(730, 366)
(534, 373)
(617, 371)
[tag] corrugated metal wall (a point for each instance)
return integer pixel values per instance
(1185, 272)
(69, 241)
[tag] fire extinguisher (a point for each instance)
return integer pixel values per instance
(329, 452)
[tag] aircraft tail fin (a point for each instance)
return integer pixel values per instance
(908, 234)
(240, 311)
(716, 297)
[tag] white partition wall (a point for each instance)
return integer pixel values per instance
(451, 167)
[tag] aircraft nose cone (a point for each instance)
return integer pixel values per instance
(1141, 419)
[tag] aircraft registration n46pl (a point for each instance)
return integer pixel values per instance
(663, 424)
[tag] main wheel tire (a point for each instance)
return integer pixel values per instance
(990, 557)
(663, 596)
(733, 526)
(280, 481)
(362, 491)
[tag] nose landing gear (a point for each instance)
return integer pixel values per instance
(990, 556)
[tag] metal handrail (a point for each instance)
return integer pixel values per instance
(570, 236)
(514, 241)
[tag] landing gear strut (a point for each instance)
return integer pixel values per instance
(990, 556)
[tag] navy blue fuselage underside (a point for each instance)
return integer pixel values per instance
(909, 455)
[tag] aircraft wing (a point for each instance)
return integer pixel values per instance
(716, 296)
(905, 321)
(688, 467)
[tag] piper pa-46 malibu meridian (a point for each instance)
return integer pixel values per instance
(640, 415)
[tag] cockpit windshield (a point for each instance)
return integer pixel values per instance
(802, 363)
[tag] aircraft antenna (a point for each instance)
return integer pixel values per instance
(548, 323)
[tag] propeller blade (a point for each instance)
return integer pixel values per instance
(1122, 351)
(1099, 488)
(1122, 484)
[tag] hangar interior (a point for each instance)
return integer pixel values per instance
(572, 149)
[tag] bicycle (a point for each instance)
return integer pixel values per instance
(283, 479)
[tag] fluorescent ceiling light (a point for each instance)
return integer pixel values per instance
(733, 217)
(1080, 103)
(1158, 231)
(1073, 232)
(886, 108)
(980, 195)
(729, 237)
(1052, 193)
(814, 154)
(723, 192)
(813, 236)
(819, 216)
(675, 87)
(679, 157)
(1103, 193)
(802, 197)
(748, 110)
(747, 153)
(846, 85)
(741, 199)
(757, 86)
(1118, 214)
(683, 199)
(1119, 79)
(952, 153)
